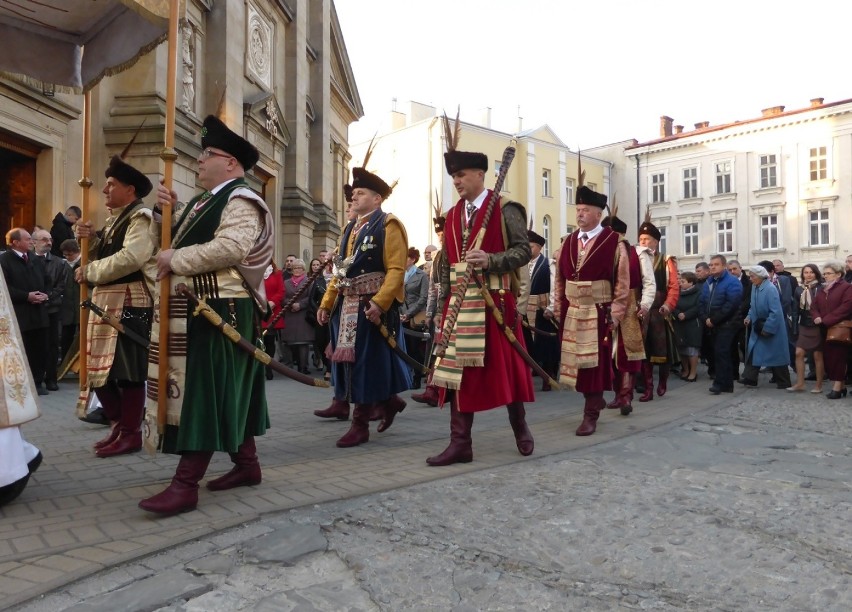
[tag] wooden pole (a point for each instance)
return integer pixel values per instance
(168, 155)
(86, 183)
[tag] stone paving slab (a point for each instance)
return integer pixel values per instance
(79, 516)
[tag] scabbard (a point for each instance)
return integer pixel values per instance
(391, 341)
(212, 317)
(115, 324)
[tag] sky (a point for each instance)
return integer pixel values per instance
(599, 71)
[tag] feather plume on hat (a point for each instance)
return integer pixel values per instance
(451, 135)
(361, 177)
(439, 219)
(455, 160)
(120, 170)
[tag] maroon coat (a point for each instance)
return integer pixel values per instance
(833, 307)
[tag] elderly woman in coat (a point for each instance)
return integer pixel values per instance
(413, 312)
(833, 304)
(767, 342)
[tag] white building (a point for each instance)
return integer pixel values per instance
(778, 186)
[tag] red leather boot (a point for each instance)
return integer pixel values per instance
(339, 410)
(359, 431)
(129, 424)
(111, 437)
(110, 398)
(246, 470)
(591, 411)
(648, 375)
(182, 494)
(460, 449)
(625, 394)
(617, 379)
(523, 435)
(429, 396)
(664, 379)
(392, 407)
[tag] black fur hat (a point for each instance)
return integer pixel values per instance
(214, 133)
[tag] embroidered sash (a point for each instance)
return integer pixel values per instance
(580, 334)
(353, 290)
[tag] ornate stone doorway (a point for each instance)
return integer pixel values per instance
(17, 183)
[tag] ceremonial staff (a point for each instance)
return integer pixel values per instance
(463, 283)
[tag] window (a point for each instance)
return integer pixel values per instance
(663, 240)
(592, 186)
(723, 177)
(658, 188)
(545, 183)
(497, 172)
(819, 163)
(690, 183)
(569, 190)
(819, 227)
(690, 239)
(725, 236)
(768, 171)
(769, 232)
(545, 232)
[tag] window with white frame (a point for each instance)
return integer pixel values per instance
(663, 241)
(818, 163)
(690, 239)
(769, 231)
(569, 190)
(725, 236)
(723, 177)
(690, 183)
(768, 171)
(819, 227)
(545, 230)
(545, 183)
(658, 188)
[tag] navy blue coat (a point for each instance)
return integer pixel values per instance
(722, 307)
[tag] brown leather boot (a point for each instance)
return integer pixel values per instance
(359, 431)
(648, 376)
(246, 470)
(429, 396)
(129, 439)
(616, 384)
(591, 410)
(460, 449)
(523, 435)
(339, 410)
(392, 407)
(182, 494)
(625, 394)
(662, 385)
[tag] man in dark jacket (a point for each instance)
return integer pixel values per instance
(739, 346)
(63, 228)
(718, 306)
(57, 278)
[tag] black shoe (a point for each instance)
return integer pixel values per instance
(41, 390)
(748, 383)
(711, 372)
(772, 380)
(836, 394)
(96, 417)
(52, 386)
(716, 390)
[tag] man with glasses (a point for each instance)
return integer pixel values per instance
(222, 244)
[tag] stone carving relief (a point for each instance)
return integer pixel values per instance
(271, 111)
(187, 32)
(259, 39)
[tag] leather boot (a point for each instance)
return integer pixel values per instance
(429, 396)
(359, 431)
(664, 379)
(460, 449)
(523, 435)
(392, 407)
(648, 376)
(591, 410)
(625, 394)
(111, 437)
(377, 411)
(617, 379)
(130, 424)
(246, 470)
(339, 410)
(110, 398)
(182, 494)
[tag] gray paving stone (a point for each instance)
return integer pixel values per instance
(285, 545)
(147, 595)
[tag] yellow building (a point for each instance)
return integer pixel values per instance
(542, 177)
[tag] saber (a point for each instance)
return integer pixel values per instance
(298, 293)
(115, 323)
(537, 331)
(201, 308)
(383, 330)
(510, 335)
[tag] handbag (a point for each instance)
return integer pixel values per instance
(840, 333)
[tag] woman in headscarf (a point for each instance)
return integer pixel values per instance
(833, 304)
(810, 334)
(767, 342)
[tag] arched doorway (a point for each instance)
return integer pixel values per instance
(17, 183)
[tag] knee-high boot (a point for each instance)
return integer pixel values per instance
(339, 409)
(460, 449)
(591, 411)
(648, 376)
(110, 398)
(182, 494)
(625, 394)
(129, 424)
(359, 431)
(429, 395)
(391, 407)
(523, 435)
(246, 470)
(664, 379)
(617, 379)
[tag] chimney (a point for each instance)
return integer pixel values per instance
(486, 117)
(701, 125)
(665, 126)
(678, 129)
(815, 102)
(772, 111)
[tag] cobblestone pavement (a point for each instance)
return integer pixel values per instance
(694, 502)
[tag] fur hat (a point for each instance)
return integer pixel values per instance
(455, 160)
(123, 172)
(591, 198)
(367, 180)
(347, 192)
(535, 238)
(649, 228)
(615, 223)
(215, 133)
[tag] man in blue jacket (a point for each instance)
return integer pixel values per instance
(718, 306)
